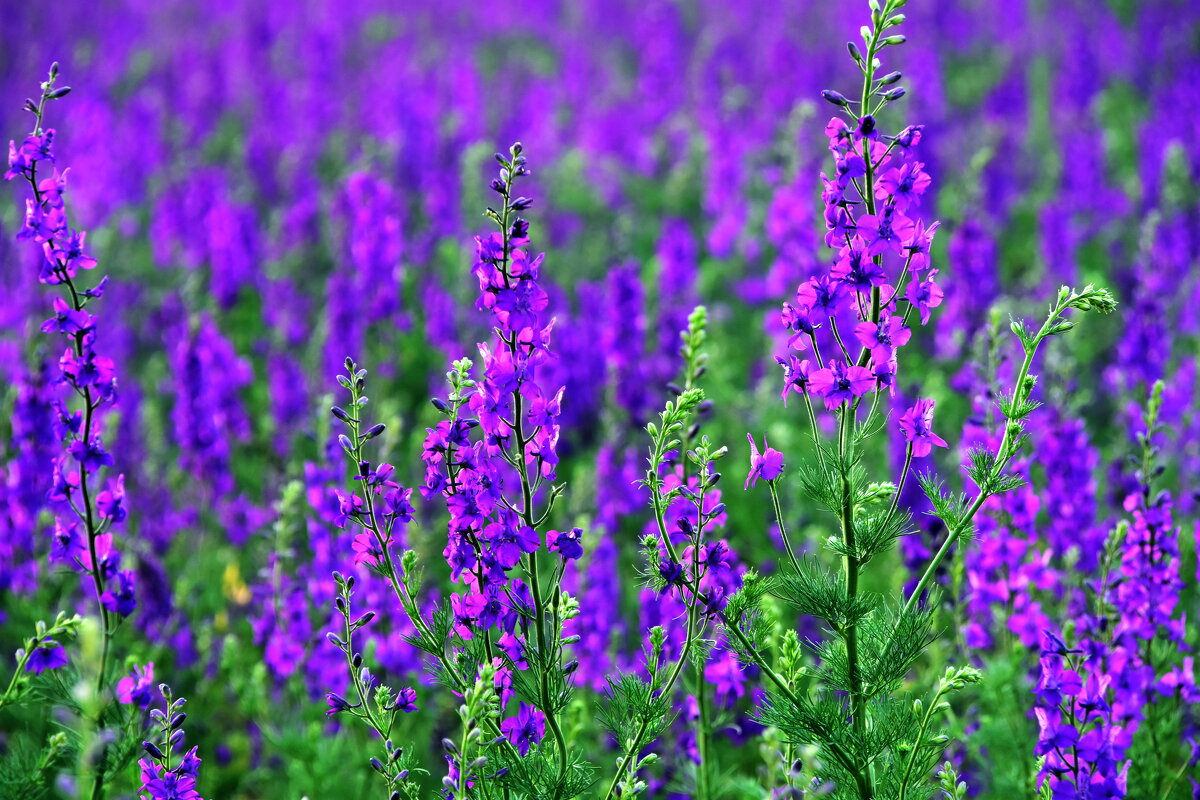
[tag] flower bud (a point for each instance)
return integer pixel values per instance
(837, 98)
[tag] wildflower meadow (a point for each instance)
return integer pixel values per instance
(600, 399)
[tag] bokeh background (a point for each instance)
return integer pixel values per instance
(272, 187)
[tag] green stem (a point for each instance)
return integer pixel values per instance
(917, 745)
(702, 788)
(1004, 454)
(783, 534)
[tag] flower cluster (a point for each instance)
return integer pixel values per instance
(165, 777)
(1082, 745)
(493, 485)
(872, 217)
(88, 510)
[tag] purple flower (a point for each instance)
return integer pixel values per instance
(336, 704)
(924, 294)
(567, 544)
(49, 656)
(526, 729)
(918, 245)
(767, 466)
(1057, 683)
(838, 383)
(120, 597)
(795, 376)
(159, 783)
(905, 183)
(856, 269)
(671, 572)
(405, 700)
(137, 688)
(1054, 733)
(917, 425)
(882, 339)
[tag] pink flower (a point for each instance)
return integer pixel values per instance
(767, 466)
(838, 383)
(917, 424)
(137, 688)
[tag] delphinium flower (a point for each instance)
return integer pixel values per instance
(374, 703)
(882, 281)
(697, 579)
(41, 652)
(689, 575)
(135, 688)
(1139, 628)
(493, 485)
(166, 775)
(1081, 743)
(91, 508)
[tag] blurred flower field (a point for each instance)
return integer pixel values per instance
(600, 399)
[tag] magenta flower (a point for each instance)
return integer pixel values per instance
(884, 231)
(767, 466)
(883, 339)
(918, 245)
(906, 183)
(795, 376)
(838, 383)
(820, 296)
(917, 424)
(924, 295)
(856, 268)
(137, 688)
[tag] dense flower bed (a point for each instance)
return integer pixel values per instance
(800, 419)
